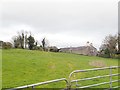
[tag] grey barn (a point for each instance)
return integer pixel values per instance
(83, 50)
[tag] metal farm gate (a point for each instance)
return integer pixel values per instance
(110, 75)
(73, 83)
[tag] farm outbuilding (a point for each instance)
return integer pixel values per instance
(83, 50)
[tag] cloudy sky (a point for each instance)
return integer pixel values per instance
(63, 22)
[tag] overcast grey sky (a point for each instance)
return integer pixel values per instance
(63, 22)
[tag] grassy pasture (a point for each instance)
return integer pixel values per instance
(23, 67)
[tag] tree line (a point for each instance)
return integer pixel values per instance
(110, 47)
(25, 40)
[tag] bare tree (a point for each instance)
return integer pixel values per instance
(16, 42)
(110, 44)
(20, 41)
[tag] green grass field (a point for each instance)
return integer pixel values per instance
(23, 67)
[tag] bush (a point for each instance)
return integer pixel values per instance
(38, 48)
(105, 53)
(53, 49)
(6, 45)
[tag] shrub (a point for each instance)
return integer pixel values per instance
(6, 45)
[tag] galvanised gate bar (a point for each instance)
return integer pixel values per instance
(69, 81)
(91, 78)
